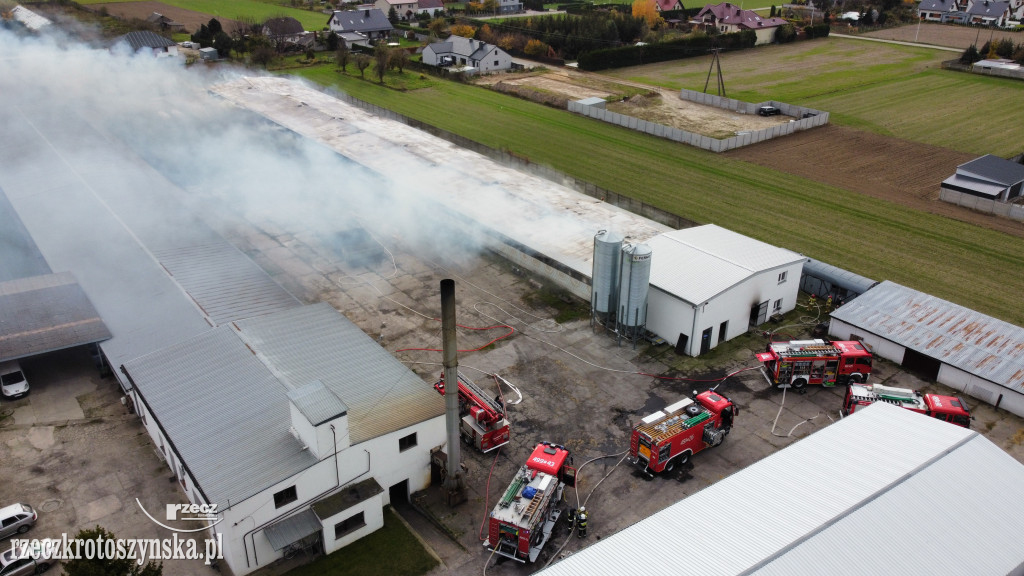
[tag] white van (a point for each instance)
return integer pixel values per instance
(12, 380)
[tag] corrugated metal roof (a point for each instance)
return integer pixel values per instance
(971, 341)
(46, 313)
(226, 284)
(316, 342)
(21, 256)
(88, 218)
(139, 39)
(837, 276)
(697, 264)
(292, 529)
(885, 491)
(224, 411)
(317, 403)
(994, 169)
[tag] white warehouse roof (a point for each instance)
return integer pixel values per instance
(697, 264)
(971, 341)
(884, 491)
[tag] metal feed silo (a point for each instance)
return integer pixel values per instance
(634, 283)
(605, 276)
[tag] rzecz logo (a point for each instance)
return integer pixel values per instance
(205, 513)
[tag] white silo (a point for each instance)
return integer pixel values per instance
(634, 284)
(604, 284)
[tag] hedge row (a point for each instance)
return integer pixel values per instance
(673, 50)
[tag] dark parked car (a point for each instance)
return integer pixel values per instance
(768, 111)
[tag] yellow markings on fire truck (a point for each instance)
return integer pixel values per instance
(645, 452)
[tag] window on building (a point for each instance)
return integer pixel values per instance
(778, 306)
(406, 442)
(286, 496)
(349, 525)
(782, 277)
(495, 62)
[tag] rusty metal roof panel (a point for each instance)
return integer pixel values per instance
(970, 341)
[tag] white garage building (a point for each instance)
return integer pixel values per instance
(885, 491)
(976, 354)
(709, 284)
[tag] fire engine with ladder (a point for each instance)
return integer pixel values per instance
(668, 438)
(801, 362)
(483, 423)
(946, 408)
(522, 521)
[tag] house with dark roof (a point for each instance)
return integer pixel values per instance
(936, 10)
(989, 177)
(286, 32)
(989, 13)
(148, 42)
(364, 26)
(727, 18)
(405, 9)
(467, 52)
(164, 23)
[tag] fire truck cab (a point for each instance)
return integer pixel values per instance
(950, 409)
(667, 438)
(801, 362)
(522, 521)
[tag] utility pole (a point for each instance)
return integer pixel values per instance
(715, 63)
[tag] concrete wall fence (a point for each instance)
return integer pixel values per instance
(1011, 211)
(813, 119)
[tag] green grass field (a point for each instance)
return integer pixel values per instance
(974, 267)
(884, 88)
(258, 10)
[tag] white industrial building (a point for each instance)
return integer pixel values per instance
(976, 354)
(884, 491)
(317, 428)
(709, 284)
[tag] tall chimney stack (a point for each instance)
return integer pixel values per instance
(453, 480)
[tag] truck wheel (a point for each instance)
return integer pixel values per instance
(799, 383)
(683, 458)
(856, 378)
(670, 465)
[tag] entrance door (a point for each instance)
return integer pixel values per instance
(723, 329)
(399, 493)
(705, 341)
(681, 344)
(759, 313)
(921, 364)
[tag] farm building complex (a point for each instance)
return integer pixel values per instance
(956, 346)
(883, 466)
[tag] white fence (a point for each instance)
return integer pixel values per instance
(805, 118)
(1011, 211)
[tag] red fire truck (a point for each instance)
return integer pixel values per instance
(801, 362)
(669, 437)
(521, 522)
(483, 420)
(948, 408)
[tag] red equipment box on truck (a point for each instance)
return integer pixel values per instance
(521, 522)
(667, 438)
(948, 408)
(801, 362)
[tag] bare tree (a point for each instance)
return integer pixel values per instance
(362, 63)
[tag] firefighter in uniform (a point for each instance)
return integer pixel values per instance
(571, 518)
(581, 522)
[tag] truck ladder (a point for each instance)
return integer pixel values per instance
(513, 489)
(532, 508)
(472, 387)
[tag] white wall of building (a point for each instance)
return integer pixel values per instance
(246, 548)
(495, 59)
(669, 316)
(879, 346)
(372, 510)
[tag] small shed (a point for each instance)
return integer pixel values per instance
(989, 177)
(208, 53)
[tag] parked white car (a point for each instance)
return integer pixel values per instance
(12, 380)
